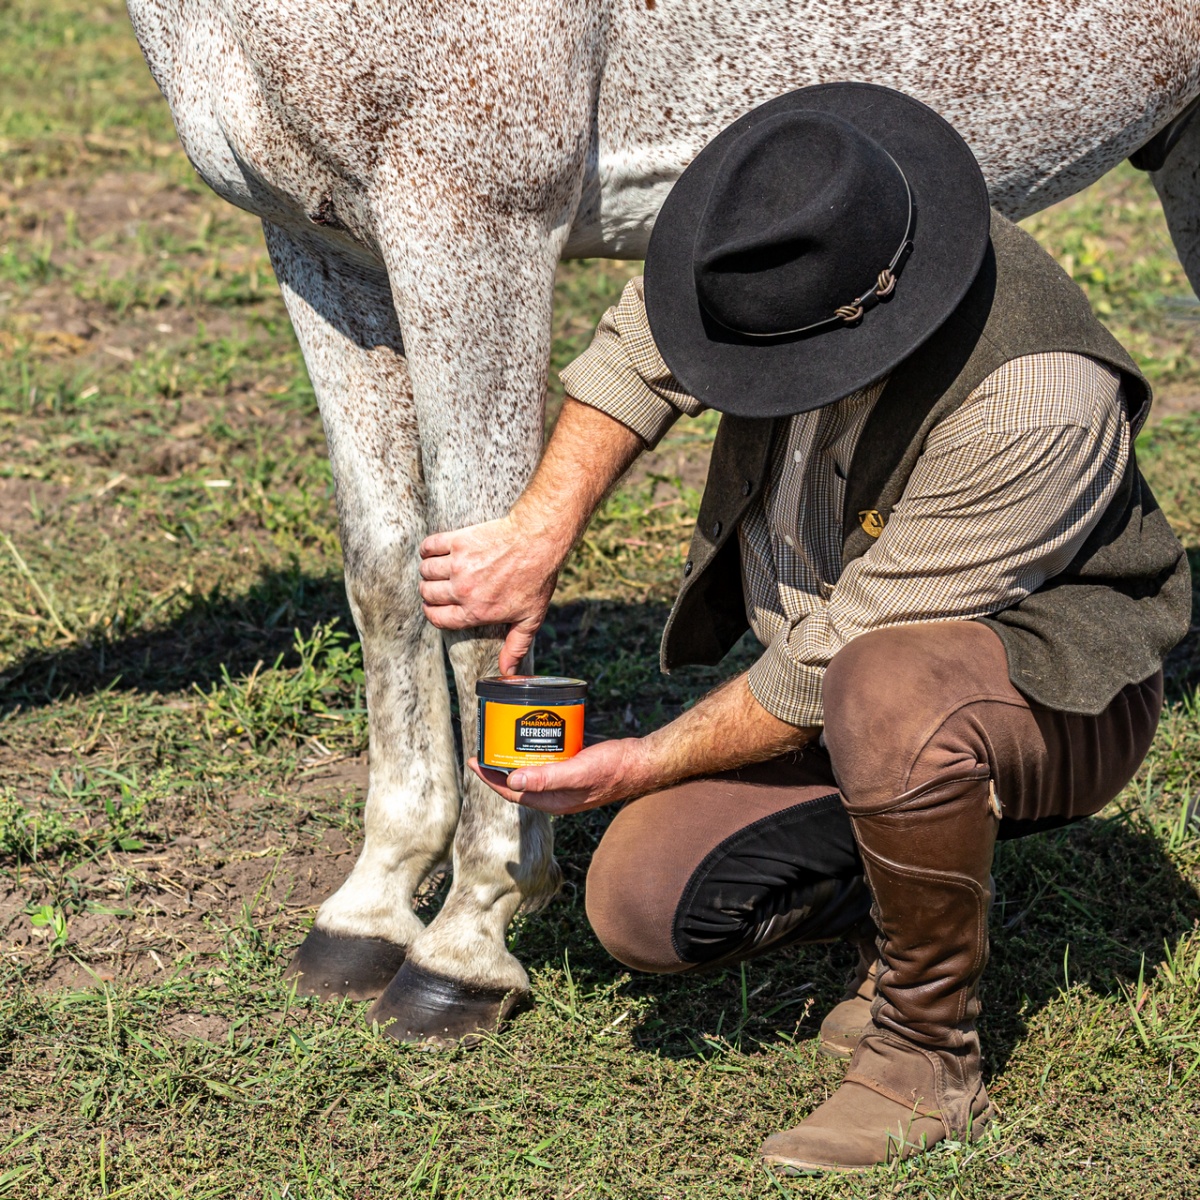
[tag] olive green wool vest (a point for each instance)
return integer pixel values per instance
(1105, 621)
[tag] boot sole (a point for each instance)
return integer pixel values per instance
(795, 1166)
(780, 1166)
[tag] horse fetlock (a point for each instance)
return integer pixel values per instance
(536, 874)
(367, 906)
(537, 891)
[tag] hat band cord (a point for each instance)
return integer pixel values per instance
(885, 283)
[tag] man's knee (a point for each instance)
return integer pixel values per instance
(889, 693)
(629, 909)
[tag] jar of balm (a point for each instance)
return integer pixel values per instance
(525, 720)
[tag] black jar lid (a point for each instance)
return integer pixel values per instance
(531, 689)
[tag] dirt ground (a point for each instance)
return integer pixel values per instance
(177, 900)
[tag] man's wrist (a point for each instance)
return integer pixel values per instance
(588, 453)
(554, 528)
(640, 771)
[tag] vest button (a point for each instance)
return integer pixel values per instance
(747, 487)
(687, 568)
(716, 529)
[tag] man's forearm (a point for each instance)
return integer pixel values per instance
(729, 728)
(503, 572)
(587, 454)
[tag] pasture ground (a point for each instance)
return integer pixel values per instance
(181, 759)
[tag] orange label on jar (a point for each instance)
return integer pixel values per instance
(520, 735)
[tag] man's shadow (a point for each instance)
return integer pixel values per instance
(1092, 904)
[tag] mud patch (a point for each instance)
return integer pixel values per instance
(26, 504)
(338, 777)
(196, 1027)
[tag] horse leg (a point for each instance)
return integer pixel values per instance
(344, 318)
(1177, 182)
(476, 320)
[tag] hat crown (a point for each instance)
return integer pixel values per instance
(804, 212)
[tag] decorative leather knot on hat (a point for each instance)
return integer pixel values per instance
(782, 252)
(812, 246)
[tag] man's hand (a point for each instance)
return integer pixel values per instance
(503, 572)
(605, 773)
(497, 573)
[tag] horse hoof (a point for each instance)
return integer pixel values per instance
(419, 1006)
(359, 968)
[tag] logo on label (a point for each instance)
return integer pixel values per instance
(540, 732)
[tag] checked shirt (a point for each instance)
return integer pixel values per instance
(1004, 494)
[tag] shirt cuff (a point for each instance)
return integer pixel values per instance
(599, 379)
(786, 688)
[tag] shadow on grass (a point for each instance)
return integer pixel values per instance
(211, 631)
(1083, 905)
(1080, 905)
(613, 644)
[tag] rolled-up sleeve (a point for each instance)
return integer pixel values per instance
(787, 687)
(622, 373)
(1002, 499)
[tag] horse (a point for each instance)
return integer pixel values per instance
(420, 169)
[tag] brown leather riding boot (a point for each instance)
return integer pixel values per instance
(915, 1076)
(842, 1029)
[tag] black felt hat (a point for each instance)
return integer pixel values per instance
(811, 246)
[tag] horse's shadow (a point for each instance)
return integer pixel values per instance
(207, 633)
(1093, 904)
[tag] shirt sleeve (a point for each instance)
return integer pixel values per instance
(1001, 499)
(622, 373)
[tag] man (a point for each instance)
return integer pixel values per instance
(923, 499)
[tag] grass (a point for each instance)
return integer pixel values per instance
(181, 754)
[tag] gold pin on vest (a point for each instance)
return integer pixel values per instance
(871, 522)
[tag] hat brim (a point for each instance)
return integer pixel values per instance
(752, 377)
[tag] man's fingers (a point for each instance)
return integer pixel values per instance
(436, 568)
(437, 591)
(497, 781)
(553, 801)
(435, 544)
(516, 646)
(494, 779)
(448, 616)
(566, 776)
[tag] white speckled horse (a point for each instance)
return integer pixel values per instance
(420, 168)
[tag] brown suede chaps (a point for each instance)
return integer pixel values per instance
(930, 755)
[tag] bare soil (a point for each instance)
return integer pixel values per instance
(175, 902)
